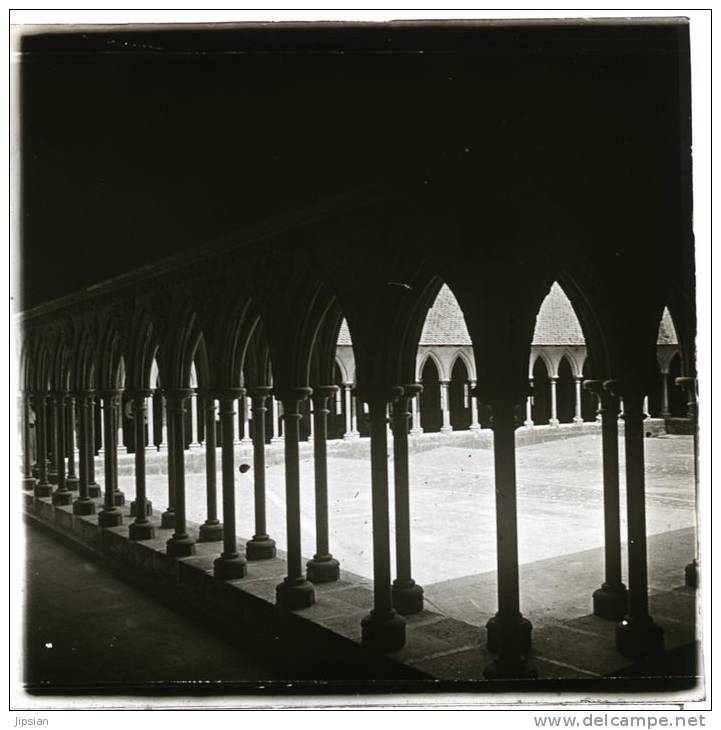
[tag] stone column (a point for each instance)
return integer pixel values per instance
(553, 420)
(62, 495)
(689, 385)
(141, 528)
(43, 488)
(611, 599)
(406, 593)
(246, 421)
(230, 564)
(347, 395)
(84, 505)
(665, 413)
(295, 591)
(354, 433)
(445, 408)
(416, 429)
(236, 423)
(164, 438)
(261, 547)
(323, 568)
(383, 629)
(529, 406)
(28, 481)
(193, 405)
(121, 430)
(311, 425)
(275, 436)
(71, 480)
(637, 635)
(181, 544)
(52, 470)
(475, 426)
(167, 519)
(508, 632)
(577, 417)
(94, 490)
(149, 409)
(211, 530)
(110, 515)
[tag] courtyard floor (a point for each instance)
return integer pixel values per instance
(560, 519)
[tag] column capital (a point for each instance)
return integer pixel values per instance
(109, 392)
(324, 391)
(378, 393)
(222, 393)
(138, 393)
(260, 391)
(412, 389)
(176, 394)
(594, 386)
(287, 395)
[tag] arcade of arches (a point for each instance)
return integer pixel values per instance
(473, 291)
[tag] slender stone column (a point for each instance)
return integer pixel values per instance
(84, 505)
(246, 421)
(508, 632)
(43, 488)
(167, 519)
(121, 430)
(446, 427)
(665, 413)
(94, 490)
(230, 564)
(295, 591)
(689, 385)
(311, 425)
(261, 547)
(275, 436)
(407, 594)
(553, 420)
(52, 470)
(354, 433)
(348, 428)
(28, 481)
(164, 437)
(62, 495)
(611, 599)
(211, 530)
(637, 635)
(416, 429)
(475, 426)
(383, 629)
(110, 515)
(71, 480)
(150, 410)
(529, 407)
(193, 405)
(323, 568)
(141, 528)
(577, 417)
(181, 544)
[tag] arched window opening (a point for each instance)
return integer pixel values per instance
(459, 397)
(566, 392)
(431, 414)
(541, 406)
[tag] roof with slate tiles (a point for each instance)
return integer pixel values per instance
(556, 323)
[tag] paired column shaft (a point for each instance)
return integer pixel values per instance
(141, 528)
(83, 505)
(71, 480)
(211, 530)
(110, 515)
(43, 488)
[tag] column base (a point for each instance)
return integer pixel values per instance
(52, 477)
(193, 446)
(446, 429)
(407, 597)
(292, 595)
(141, 531)
(554, 422)
(384, 632)
(261, 547)
(72, 483)
(416, 432)
(110, 517)
(151, 449)
(62, 498)
(323, 569)
(611, 601)
(246, 442)
(501, 668)
(210, 532)
(94, 491)
(180, 547)
(691, 574)
(638, 638)
(148, 508)
(477, 427)
(351, 436)
(43, 490)
(28, 483)
(230, 568)
(577, 419)
(167, 520)
(119, 498)
(509, 637)
(84, 507)
(528, 424)
(276, 440)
